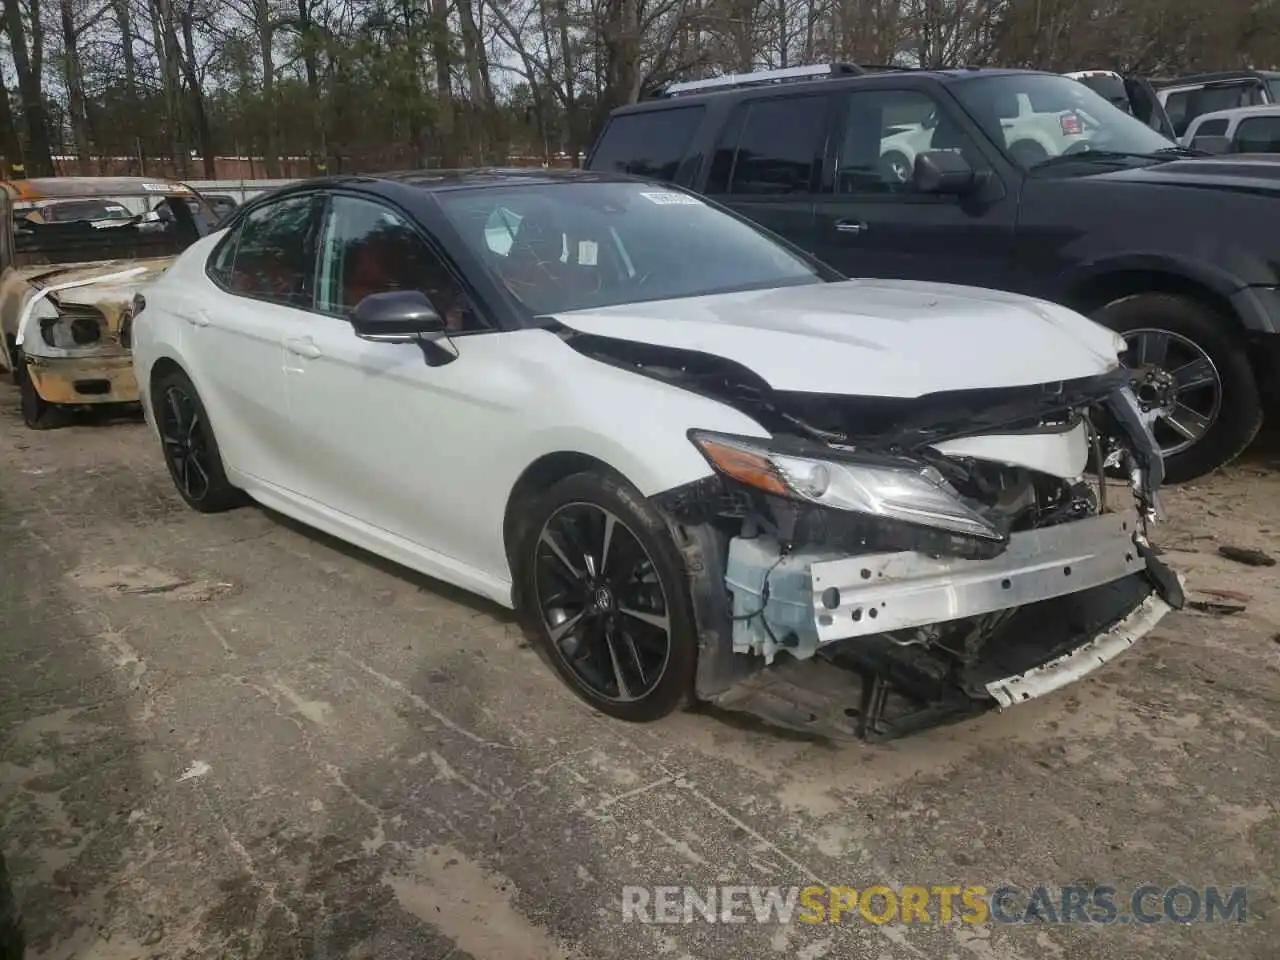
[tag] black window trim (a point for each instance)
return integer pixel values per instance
(433, 245)
(687, 154)
(945, 102)
(235, 229)
(822, 150)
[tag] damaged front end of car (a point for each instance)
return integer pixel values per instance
(953, 552)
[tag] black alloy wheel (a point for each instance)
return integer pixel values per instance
(603, 591)
(190, 449)
(602, 603)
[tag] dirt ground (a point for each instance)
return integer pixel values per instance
(229, 737)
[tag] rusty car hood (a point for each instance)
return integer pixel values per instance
(40, 275)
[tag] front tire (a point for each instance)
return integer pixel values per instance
(190, 448)
(1216, 409)
(602, 590)
(37, 412)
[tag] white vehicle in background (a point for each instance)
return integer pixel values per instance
(691, 457)
(1032, 136)
(1240, 130)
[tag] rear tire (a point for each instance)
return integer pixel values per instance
(617, 628)
(190, 448)
(1236, 416)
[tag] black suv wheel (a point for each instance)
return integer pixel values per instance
(1194, 373)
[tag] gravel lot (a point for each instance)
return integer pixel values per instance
(231, 737)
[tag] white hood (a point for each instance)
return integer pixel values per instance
(873, 338)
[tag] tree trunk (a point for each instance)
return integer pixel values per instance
(311, 65)
(197, 95)
(124, 20)
(165, 45)
(444, 86)
(266, 43)
(28, 64)
(9, 143)
(73, 75)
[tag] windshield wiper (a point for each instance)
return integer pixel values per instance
(1110, 156)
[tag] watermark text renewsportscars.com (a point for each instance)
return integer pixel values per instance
(936, 904)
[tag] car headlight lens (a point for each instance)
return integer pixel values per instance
(910, 493)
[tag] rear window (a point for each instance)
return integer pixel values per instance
(1212, 128)
(647, 144)
(1258, 135)
(1109, 88)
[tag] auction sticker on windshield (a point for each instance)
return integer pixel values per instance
(667, 198)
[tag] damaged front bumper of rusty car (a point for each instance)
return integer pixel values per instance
(948, 569)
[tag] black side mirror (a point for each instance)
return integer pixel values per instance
(1214, 145)
(397, 316)
(943, 172)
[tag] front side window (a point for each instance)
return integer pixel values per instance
(579, 245)
(884, 130)
(273, 253)
(772, 147)
(1038, 117)
(367, 248)
(647, 144)
(1258, 135)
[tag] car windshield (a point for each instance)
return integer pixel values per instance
(1057, 115)
(581, 245)
(97, 209)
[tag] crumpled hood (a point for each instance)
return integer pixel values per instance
(881, 338)
(112, 286)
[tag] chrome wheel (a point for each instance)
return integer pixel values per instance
(1177, 385)
(185, 450)
(896, 167)
(602, 603)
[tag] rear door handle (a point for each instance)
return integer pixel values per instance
(850, 226)
(304, 347)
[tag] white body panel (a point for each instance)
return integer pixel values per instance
(415, 462)
(881, 338)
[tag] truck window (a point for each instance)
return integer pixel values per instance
(1258, 135)
(1183, 106)
(1212, 128)
(647, 144)
(771, 147)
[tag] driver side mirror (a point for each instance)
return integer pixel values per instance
(944, 172)
(397, 316)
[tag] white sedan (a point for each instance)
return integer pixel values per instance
(686, 453)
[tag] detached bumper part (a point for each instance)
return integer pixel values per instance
(806, 601)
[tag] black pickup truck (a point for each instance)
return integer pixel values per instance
(1007, 179)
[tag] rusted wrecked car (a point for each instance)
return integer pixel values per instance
(73, 253)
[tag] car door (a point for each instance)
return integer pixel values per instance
(767, 162)
(261, 277)
(385, 433)
(871, 221)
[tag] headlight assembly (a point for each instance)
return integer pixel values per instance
(909, 494)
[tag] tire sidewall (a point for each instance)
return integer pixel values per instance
(1240, 414)
(221, 494)
(614, 494)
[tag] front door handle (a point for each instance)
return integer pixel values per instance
(850, 226)
(304, 347)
